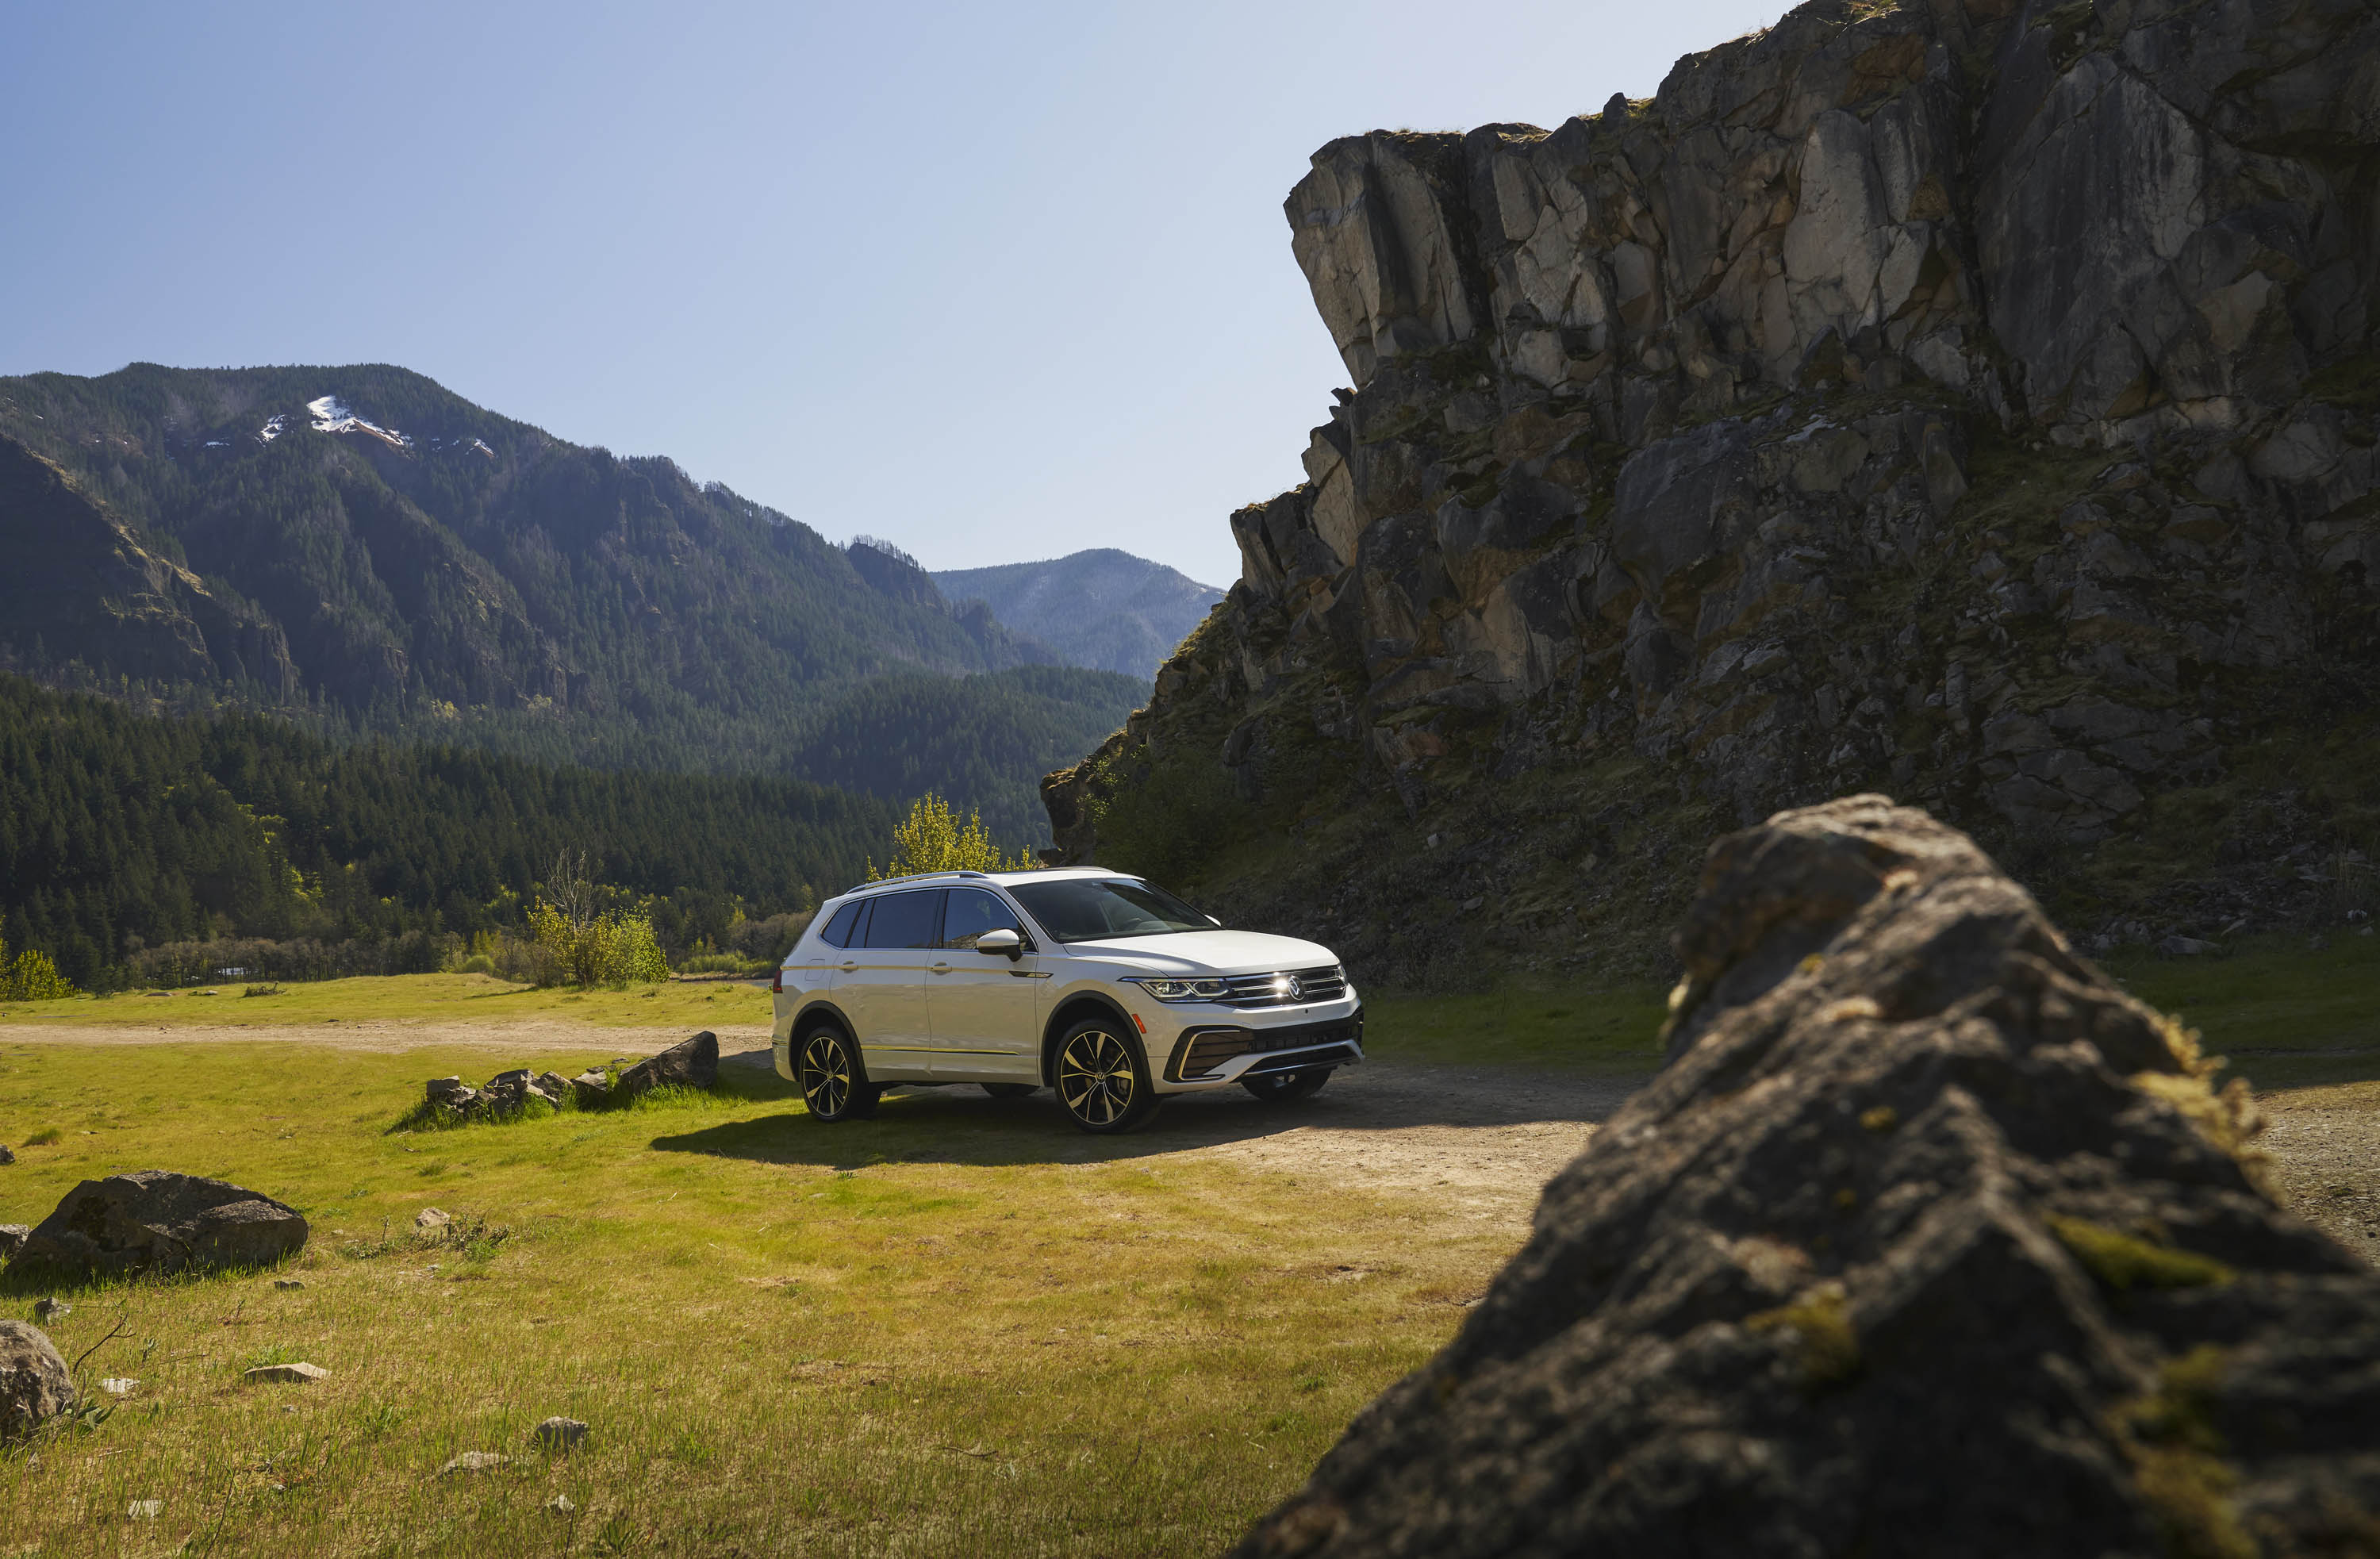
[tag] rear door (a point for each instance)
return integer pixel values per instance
(985, 1010)
(885, 979)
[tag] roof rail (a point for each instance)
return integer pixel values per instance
(910, 877)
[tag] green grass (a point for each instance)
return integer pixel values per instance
(962, 1328)
(2284, 1014)
(1547, 1026)
(410, 998)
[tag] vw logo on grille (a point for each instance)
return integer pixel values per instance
(1297, 989)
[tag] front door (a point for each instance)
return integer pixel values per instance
(885, 977)
(985, 1009)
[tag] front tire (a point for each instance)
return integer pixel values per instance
(834, 1082)
(1288, 1088)
(1102, 1079)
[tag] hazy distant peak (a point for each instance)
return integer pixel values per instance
(1101, 607)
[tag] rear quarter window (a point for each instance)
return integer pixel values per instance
(838, 930)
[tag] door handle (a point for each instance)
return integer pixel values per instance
(848, 968)
(942, 968)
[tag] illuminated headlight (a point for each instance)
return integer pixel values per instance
(1185, 990)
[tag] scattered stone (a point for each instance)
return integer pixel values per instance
(117, 1385)
(2178, 946)
(593, 1087)
(446, 1091)
(560, 1434)
(286, 1374)
(431, 1218)
(50, 1308)
(34, 1385)
(561, 1504)
(473, 1461)
(289, 1282)
(6, 1156)
(694, 1063)
(1928, 1239)
(12, 1237)
(145, 1510)
(154, 1220)
(553, 1085)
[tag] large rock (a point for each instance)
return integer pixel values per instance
(34, 1385)
(694, 1063)
(1929, 1240)
(154, 1220)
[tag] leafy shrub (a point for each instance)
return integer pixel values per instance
(30, 976)
(932, 839)
(608, 949)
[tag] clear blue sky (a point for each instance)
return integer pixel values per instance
(996, 283)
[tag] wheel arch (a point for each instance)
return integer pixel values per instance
(1076, 1007)
(810, 1016)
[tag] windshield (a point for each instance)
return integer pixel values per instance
(1088, 910)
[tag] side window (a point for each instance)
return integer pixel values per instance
(838, 930)
(970, 912)
(905, 920)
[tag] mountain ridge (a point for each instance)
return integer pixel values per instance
(1099, 608)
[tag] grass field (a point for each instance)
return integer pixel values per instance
(951, 1331)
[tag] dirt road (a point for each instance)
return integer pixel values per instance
(1484, 1140)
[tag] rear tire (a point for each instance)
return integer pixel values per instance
(834, 1082)
(1102, 1078)
(1010, 1091)
(1288, 1088)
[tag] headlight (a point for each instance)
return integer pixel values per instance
(1185, 990)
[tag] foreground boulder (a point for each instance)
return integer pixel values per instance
(694, 1063)
(34, 1385)
(154, 1220)
(1928, 1239)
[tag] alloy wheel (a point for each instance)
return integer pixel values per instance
(1097, 1079)
(826, 1074)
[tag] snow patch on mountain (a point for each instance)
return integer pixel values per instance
(272, 429)
(333, 416)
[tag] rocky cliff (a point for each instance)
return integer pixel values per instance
(1929, 1240)
(1971, 398)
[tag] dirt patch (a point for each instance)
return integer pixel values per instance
(2325, 1144)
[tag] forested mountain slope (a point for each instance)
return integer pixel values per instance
(118, 829)
(362, 550)
(1098, 608)
(1972, 400)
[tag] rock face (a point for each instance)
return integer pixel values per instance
(154, 1220)
(694, 1063)
(1973, 397)
(34, 1385)
(1928, 1239)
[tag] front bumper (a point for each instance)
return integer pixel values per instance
(1218, 1054)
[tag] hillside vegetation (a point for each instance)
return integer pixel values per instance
(119, 831)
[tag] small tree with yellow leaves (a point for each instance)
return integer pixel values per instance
(934, 840)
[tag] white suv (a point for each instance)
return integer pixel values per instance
(1099, 984)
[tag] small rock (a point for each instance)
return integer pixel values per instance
(293, 1374)
(2184, 947)
(559, 1433)
(116, 1385)
(474, 1461)
(50, 1308)
(145, 1510)
(431, 1218)
(6, 1156)
(289, 1282)
(34, 1385)
(561, 1504)
(593, 1087)
(694, 1063)
(440, 1091)
(553, 1085)
(12, 1237)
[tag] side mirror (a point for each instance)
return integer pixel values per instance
(1214, 922)
(1000, 944)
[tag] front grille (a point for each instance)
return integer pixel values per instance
(1325, 985)
(1201, 1051)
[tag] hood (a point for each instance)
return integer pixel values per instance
(1206, 953)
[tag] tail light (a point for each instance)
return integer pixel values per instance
(777, 981)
